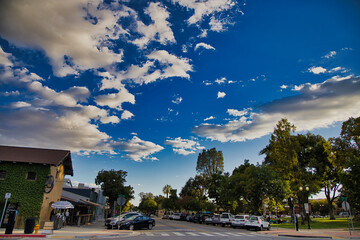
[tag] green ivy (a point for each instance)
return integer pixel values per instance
(28, 194)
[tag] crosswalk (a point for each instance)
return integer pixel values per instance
(197, 234)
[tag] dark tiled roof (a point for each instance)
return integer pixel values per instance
(37, 155)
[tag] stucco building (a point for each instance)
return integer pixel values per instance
(35, 179)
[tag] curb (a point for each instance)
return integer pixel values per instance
(22, 235)
(303, 236)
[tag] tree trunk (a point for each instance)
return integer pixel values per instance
(331, 210)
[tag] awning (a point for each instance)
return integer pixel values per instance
(91, 203)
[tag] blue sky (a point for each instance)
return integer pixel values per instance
(144, 86)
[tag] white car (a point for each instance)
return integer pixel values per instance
(239, 221)
(257, 223)
(225, 219)
(176, 216)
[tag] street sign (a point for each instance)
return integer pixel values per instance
(121, 200)
(7, 195)
(306, 206)
(345, 206)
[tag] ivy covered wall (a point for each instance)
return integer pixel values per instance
(28, 194)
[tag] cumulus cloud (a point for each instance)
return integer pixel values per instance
(317, 106)
(205, 8)
(221, 95)
(4, 58)
(183, 146)
(317, 70)
(204, 45)
(62, 31)
(209, 118)
(115, 100)
(137, 149)
(170, 66)
(330, 54)
(126, 115)
(159, 30)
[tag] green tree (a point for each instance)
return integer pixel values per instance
(166, 190)
(350, 134)
(210, 162)
(148, 205)
(292, 157)
(113, 183)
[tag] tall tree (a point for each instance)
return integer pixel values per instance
(166, 190)
(113, 183)
(210, 162)
(350, 134)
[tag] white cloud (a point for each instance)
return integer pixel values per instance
(317, 106)
(4, 58)
(221, 95)
(183, 146)
(221, 80)
(171, 66)
(177, 100)
(284, 86)
(317, 70)
(330, 54)
(159, 30)
(137, 149)
(20, 104)
(126, 115)
(209, 118)
(46, 129)
(115, 100)
(204, 45)
(218, 24)
(205, 8)
(61, 29)
(237, 113)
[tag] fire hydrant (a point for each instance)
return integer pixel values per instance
(36, 228)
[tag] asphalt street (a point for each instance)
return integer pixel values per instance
(179, 230)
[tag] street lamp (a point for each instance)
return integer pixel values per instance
(307, 210)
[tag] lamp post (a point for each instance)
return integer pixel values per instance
(307, 209)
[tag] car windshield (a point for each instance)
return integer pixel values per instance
(253, 218)
(130, 218)
(239, 217)
(224, 216)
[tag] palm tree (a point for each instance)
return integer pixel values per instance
(166, 190)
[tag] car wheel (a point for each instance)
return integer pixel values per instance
(261, 228)
(131, 227)
(268, 228)
(223, 225)
(150, 226)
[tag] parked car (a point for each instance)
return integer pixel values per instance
(115, 222)
(189, 218)
(239, 221)
(183, 216)
(176, 216)
(138, 222)
(225, 219)
(257, 223)
(165, 216)
(208, 220)
(216, 219)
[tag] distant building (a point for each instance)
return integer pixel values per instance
(90, 202)
(35, 179)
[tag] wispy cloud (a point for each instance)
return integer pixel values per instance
(183, 146)
(204, 45)
(330, 54)
(317, 106)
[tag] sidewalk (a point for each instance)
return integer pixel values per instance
(315, 233)
(93, 230)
